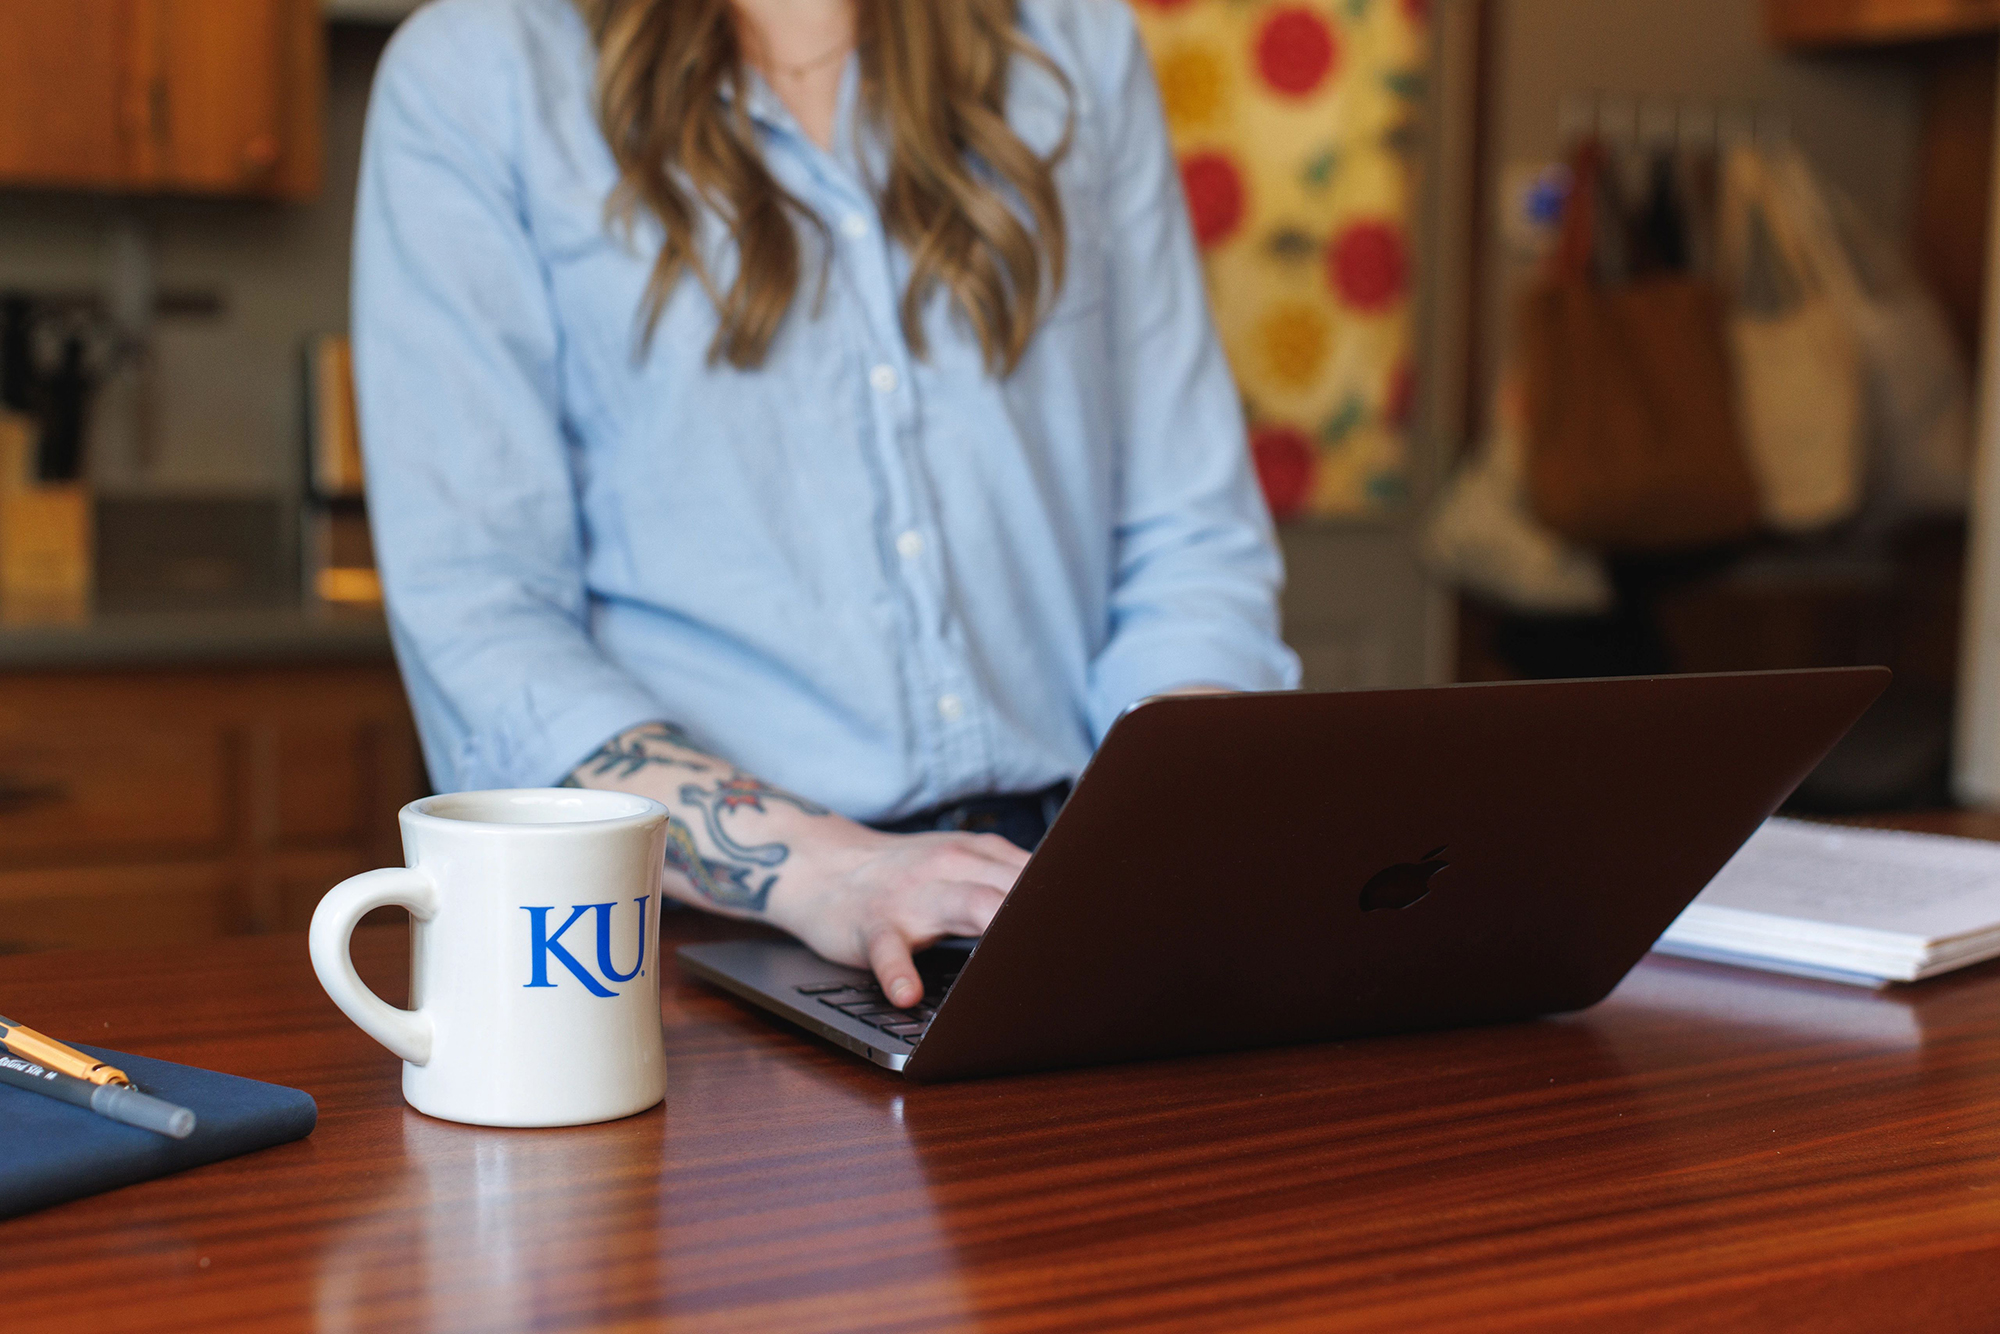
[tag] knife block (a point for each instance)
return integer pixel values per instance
(46, 537)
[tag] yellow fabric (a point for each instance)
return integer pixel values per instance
(1295, 126)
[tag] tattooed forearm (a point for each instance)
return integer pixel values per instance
(740, 791)
(743, 876)
(722, 883)
(628, 753)
(730, 874)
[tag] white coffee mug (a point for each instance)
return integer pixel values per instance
(534, 943)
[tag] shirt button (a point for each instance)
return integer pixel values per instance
(884, 379)
(854, 225)
(950, 708)
(910, 545)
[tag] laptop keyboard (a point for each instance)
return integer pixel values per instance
(865, 1001)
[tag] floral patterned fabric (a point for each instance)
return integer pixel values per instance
(1295, 121)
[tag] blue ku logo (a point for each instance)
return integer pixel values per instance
(544, 945)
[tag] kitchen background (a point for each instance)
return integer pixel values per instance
(176, 184)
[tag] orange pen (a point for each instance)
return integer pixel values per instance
(29, 1045)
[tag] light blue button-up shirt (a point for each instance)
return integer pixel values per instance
(880, 581)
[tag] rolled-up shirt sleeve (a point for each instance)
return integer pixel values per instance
(471, 487)
(1197, 565)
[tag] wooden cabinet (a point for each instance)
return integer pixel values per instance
(1853, 22)
(186, 96)
(65, 92)
(144, 808)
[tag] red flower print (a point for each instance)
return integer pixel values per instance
(1368, 266)
(1285, 462)
(1295, 51)
(1214, 189)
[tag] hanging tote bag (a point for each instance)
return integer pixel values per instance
(1916, 390)
(1797, 368)
(1632, 441)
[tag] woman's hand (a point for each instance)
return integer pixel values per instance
(871, 900)
(738, 846)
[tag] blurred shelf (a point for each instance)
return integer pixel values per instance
(369, 11)
(1822, 23)
(188, 638)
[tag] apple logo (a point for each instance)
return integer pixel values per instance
(1403, 884)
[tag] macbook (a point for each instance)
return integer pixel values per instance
(1237, 871)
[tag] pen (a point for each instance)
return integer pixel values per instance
(119, 1102)
(29, 1045)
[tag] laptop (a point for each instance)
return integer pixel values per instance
(1240, 871)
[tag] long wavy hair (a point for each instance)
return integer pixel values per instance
(934, 82)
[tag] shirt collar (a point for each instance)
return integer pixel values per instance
(764, 105)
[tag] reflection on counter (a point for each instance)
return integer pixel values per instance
(1794, 1009)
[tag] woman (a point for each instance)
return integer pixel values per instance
(826, 385)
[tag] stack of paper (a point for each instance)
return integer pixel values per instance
(1857, 905)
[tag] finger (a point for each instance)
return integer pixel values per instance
(946, 908)
(967, 910)
(889, 956)
(1001, 850)
(963, 864)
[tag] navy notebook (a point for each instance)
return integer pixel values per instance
(51, 1151)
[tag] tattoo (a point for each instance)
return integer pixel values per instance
(742, 877)
(624, 755)
(741, 791)
(720, 883)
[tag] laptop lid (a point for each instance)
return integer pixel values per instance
(1258, 870)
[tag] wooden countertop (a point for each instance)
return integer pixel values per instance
(1708, 1149)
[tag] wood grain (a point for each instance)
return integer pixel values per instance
(245, 82)
(96, 787)
(232, 795)
(68, 114)
(1954, 182)
(1867, 22)
(1709, 1149)
(198, 96)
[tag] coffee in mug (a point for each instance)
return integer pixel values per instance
(534, 943)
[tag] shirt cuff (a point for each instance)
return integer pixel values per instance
(1127, 672)
(554, 732)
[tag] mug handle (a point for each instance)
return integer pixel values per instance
(404, 1032)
